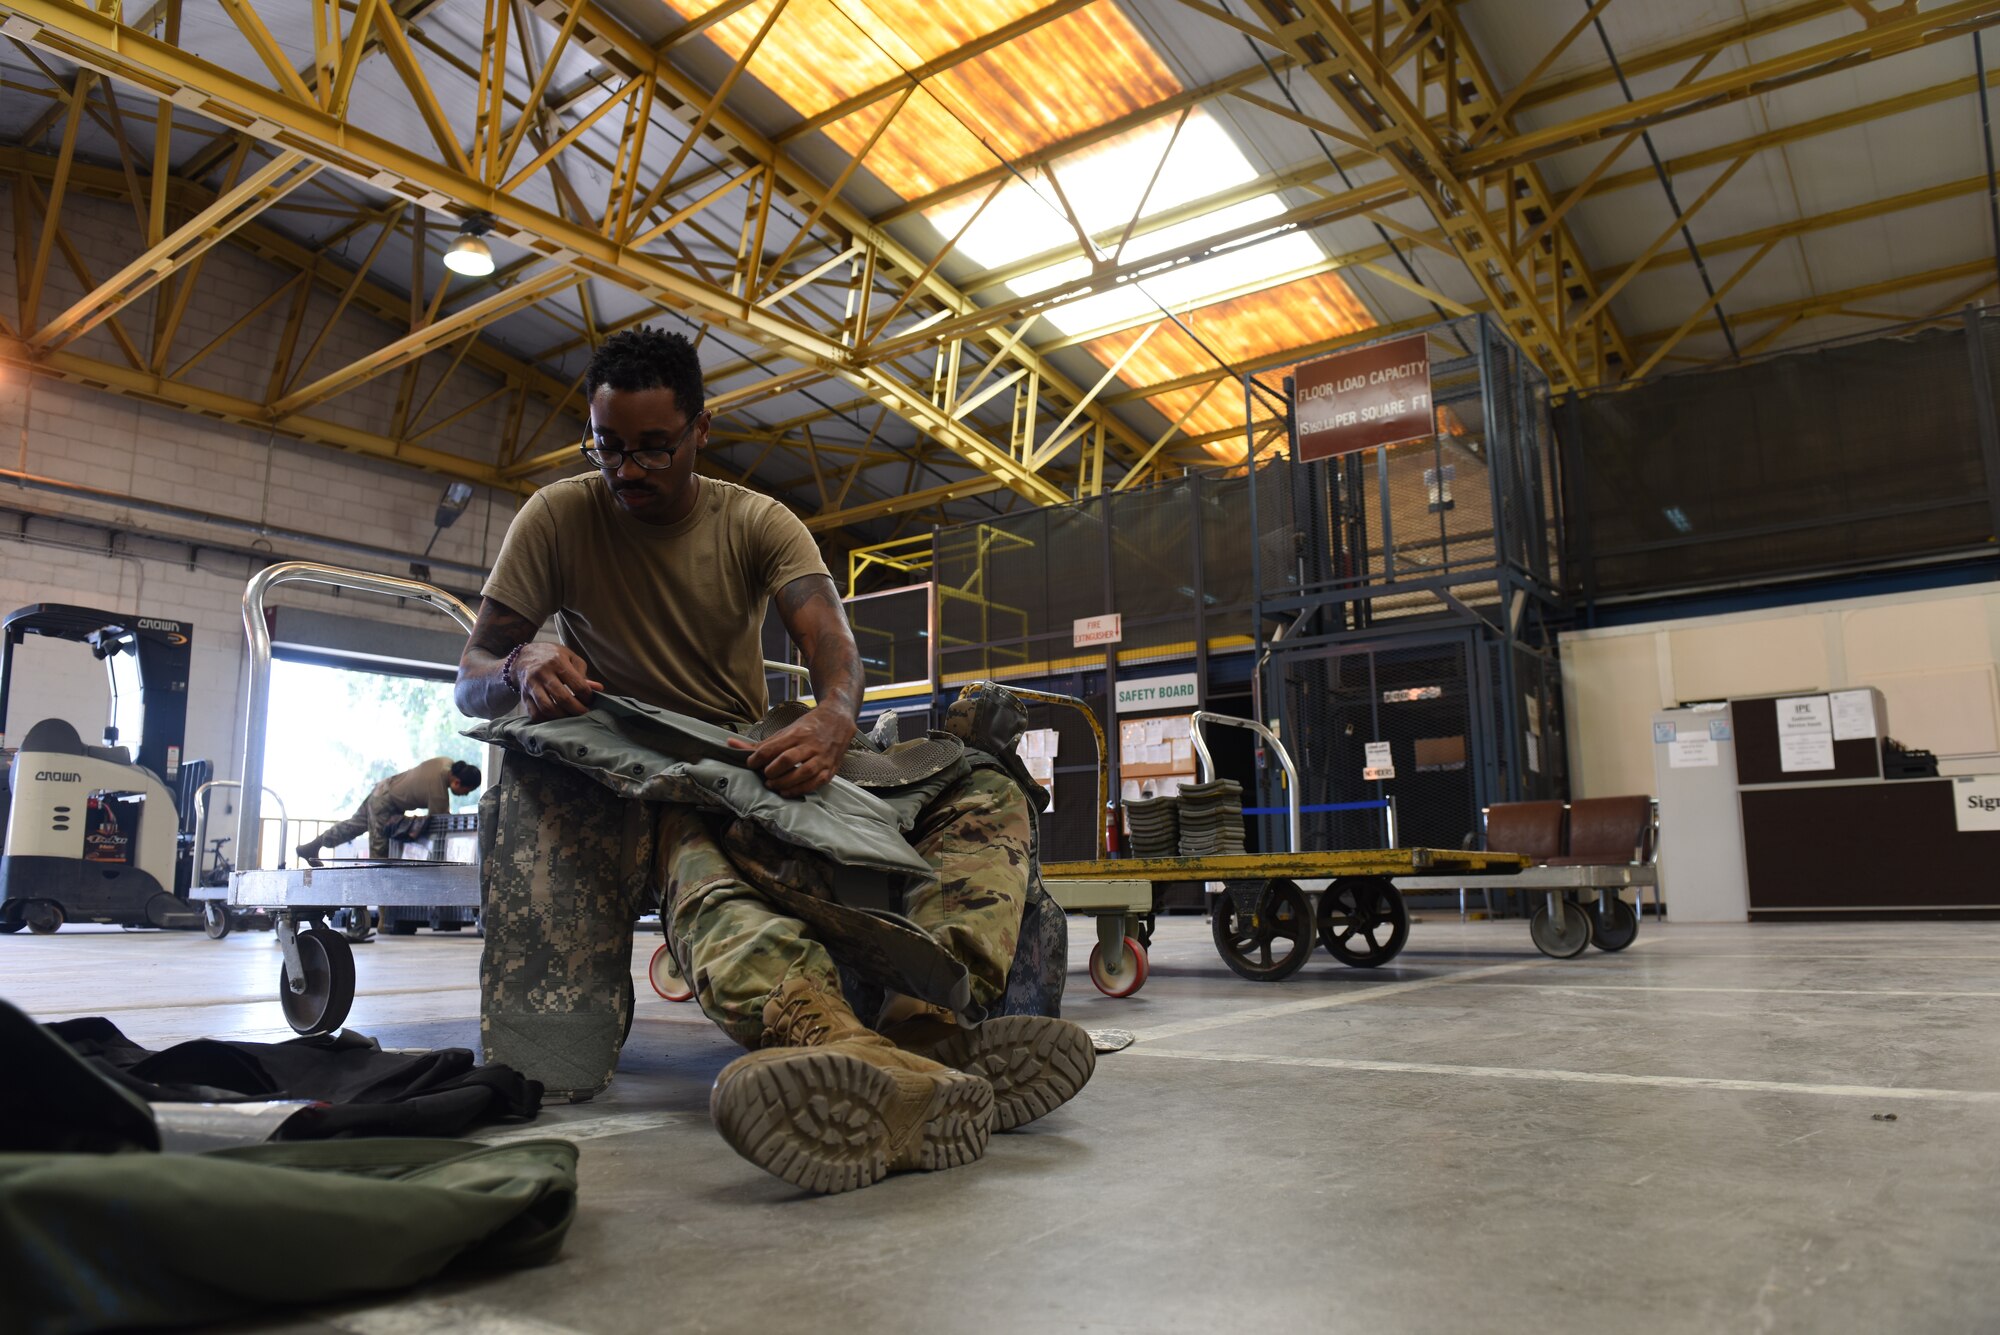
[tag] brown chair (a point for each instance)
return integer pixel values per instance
(1607, 831)
(1532, 829)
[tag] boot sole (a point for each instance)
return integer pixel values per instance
(1035, 1064)
(822, 1121)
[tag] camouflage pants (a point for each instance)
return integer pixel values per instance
(736, 947)
(564, 869)
(375, 815)
(567, 865)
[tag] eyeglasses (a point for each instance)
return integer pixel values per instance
(649, 457)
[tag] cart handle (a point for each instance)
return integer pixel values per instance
(1103, 752)
(1038, 697)
(257, 690)
(201, 818)
(1207, 762)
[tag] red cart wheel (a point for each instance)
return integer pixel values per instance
(665, 976)
(1131, 975)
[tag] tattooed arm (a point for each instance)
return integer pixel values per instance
(801, 758)
(554, 681)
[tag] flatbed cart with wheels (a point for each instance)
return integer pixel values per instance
(1264, 924)
(316, 979)
(1584, 905)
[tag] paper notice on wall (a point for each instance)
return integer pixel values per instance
(1802, 714)
(1380, 762)
(1799, 752)
(1132, 743)
(1037, 743)
(1697, 751)
(1533, 708)
(1853, 715)
(1534, 754)
(1975, 802)
(1183, 750)
(1156, 731)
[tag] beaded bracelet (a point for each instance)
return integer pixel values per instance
(507, 669)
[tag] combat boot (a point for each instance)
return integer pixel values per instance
(829, 1105)
(1035, 1063)
(309, 853)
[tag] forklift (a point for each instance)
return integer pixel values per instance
(90, 834)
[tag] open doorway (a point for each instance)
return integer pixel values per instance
(336, 732)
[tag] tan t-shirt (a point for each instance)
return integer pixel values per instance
(669, 614)
(427, 786)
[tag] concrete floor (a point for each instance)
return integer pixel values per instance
(1690, 1136)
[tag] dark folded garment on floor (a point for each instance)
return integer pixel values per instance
(369, 1092)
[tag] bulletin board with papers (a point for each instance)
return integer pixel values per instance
(1037, 749)
(1155, 756)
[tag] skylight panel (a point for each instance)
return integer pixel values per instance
(1247, 263)
(1104, 184)
(1069, 75)
(1239, 330)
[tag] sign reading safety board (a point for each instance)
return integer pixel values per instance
(1176, 692)
(1377, 395)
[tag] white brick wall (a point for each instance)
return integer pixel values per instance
(102, 440)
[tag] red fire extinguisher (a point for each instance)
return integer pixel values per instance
(1111, 830)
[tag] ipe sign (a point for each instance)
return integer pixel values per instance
(1377, 395)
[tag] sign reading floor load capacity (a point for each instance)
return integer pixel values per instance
(1377, 395)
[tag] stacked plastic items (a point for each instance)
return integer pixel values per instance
(1211, 816)
(1155, 827)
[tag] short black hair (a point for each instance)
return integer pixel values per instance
(647, 358)
(466, 774)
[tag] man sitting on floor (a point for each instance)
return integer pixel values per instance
(658, 580)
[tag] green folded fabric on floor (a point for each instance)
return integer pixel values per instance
(114, 1241)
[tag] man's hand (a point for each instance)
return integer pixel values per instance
(804, 756)
(801, 759)
(555, 682)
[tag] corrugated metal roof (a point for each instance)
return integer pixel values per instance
(1870, 179)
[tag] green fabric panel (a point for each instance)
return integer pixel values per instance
(95, 1242)
(652, 754)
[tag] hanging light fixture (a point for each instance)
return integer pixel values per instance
(468, 254)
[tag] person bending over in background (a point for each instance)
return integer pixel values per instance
(430, 785)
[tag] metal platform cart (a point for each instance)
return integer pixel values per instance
(213, 871)
(1264, 923)
(446, 837)
(316, 981)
